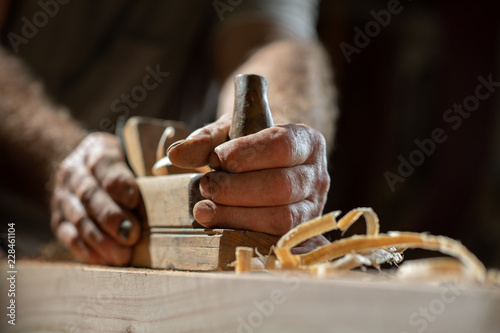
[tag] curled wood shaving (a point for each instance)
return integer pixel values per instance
(404, 239)
(493, 277)
(319, 226)
(372, 249)
(308, 230)
(372, 222)
(430, 269)
(346, 263)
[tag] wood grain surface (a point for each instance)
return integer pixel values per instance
(196, 249)
(61, 297)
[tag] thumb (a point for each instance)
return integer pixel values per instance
(194, 151)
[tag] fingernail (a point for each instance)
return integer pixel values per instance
(205, 187)
(214, 161)
(124, 230)
(204, 211)
(173, 145)
(127, 197)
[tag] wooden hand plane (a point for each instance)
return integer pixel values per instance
(171, 237)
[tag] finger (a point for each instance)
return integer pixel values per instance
(108, 215)
(117, 179)
(195, 150)
(105, 246)
(55, 216)
(67, 234)
(271, 187)
(107, 163)
(272, 220)
(279, 146)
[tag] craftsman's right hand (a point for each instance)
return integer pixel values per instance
(92, 199)
(270, 181)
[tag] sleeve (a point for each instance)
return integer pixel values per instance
(297, 16)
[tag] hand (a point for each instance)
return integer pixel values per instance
(94, 193)
(270, 181)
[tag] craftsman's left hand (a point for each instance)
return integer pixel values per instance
(270, 181)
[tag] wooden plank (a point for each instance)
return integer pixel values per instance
(83, 298)
(196, 249)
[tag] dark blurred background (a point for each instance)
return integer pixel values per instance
(396, 90)
(393, 91)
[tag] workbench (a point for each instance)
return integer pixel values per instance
(69, 297)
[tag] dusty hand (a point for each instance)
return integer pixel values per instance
(270, 181)
(93, 195)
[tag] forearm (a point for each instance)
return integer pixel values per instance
(35, 134)
(300, 84)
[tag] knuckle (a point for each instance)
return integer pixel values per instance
(309, 209)
(113, 182)
(65, 171)
(286, 220)
(205, 132)
(77, 217)
(95, 158)
(54, 221)
(111, 216)
(101, 148)
(285, 185)
(319, 143)
(233, 165)
(286, 143)
(77, 247)
(55, 199)
(318, 197)
(97, 139)
(55, 217)
(319, 139)
(313, 138)
(324, 182)
(219, 185)
(86, 191)
(64, 174)
(233, 155)
(72, 242)
(320, 178)
(91, 233)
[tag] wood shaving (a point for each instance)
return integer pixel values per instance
(449, 269)
(243, 259)
(372, 249)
